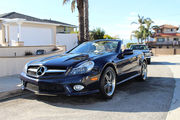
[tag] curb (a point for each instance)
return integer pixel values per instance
(9, 94)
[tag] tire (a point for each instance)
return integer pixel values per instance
(108, 83)
(143, 72)
(149, 61)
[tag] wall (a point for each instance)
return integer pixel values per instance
(166, 30)
(20, 51)
(69, 40)
(12, 66)
(1, 40)
(165, 51)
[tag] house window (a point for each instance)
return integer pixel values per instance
(158, 31)
(171, 30)
(176, 39)
(160, 39)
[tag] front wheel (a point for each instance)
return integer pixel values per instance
(143, 75)
(108, 83)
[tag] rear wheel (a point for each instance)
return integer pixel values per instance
(108, 83)
(143, 75)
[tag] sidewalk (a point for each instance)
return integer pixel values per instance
(10, 86)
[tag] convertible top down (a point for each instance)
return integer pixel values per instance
(88, 68)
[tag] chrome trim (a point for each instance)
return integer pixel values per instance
(54, 71)
(32, 70)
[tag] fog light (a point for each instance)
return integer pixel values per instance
(78, 87)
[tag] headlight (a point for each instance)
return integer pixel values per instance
(83, 68)
(25, 68)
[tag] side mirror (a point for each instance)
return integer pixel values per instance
(128, 52)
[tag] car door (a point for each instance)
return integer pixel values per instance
(134, 60)
(123, 67)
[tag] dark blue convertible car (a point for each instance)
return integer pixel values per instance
(88, 68)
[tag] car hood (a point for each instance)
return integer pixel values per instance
(65, 60)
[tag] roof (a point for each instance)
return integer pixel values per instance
(168, 26)
(13, 15)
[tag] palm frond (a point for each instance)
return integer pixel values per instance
(65, 1)
(73, 4)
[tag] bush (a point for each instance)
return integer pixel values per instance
(97, 34)
(107, 37)
(27, 53)
(129, 44)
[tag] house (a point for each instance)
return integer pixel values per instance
(166, 36)
(17, 29)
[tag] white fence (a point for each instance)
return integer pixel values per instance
(69, 40)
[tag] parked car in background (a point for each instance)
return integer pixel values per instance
(88, 68)
(144, 49)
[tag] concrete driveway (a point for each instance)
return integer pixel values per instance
(133, 100)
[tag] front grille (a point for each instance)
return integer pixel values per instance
(51, 88)
(50, 71)
(32, 87)
(45, 87)
(32, 70)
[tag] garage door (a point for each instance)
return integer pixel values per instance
(33, 36)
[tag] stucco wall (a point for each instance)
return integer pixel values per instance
(20, 51)
(177, 51)
(1, 33)
(165, 51)
(69, 40)
(12, 66)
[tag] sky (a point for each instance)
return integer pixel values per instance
(114, 16)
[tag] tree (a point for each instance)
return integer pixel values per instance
(97, 34)
(106, 36)
(144, 30)
(148, 23)
(128, 45)
(137, 35)
(80, 6)
(86, 20)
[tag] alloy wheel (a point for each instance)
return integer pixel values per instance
(110, 83)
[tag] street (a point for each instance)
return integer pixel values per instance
(133, 100)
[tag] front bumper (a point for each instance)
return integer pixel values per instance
(60, 85)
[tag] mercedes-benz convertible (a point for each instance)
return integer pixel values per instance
(91, 67)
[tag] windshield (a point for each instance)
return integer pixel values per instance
(139, 47)
(96, 47)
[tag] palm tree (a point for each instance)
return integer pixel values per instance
(86, 20)
(148, 23)
(80, 6)
(144, 29)
(137, 34)
(140, 33)
(140, 21)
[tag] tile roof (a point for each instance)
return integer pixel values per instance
(12, 15)
(168, 26)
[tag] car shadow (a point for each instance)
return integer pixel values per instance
(153, 95)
